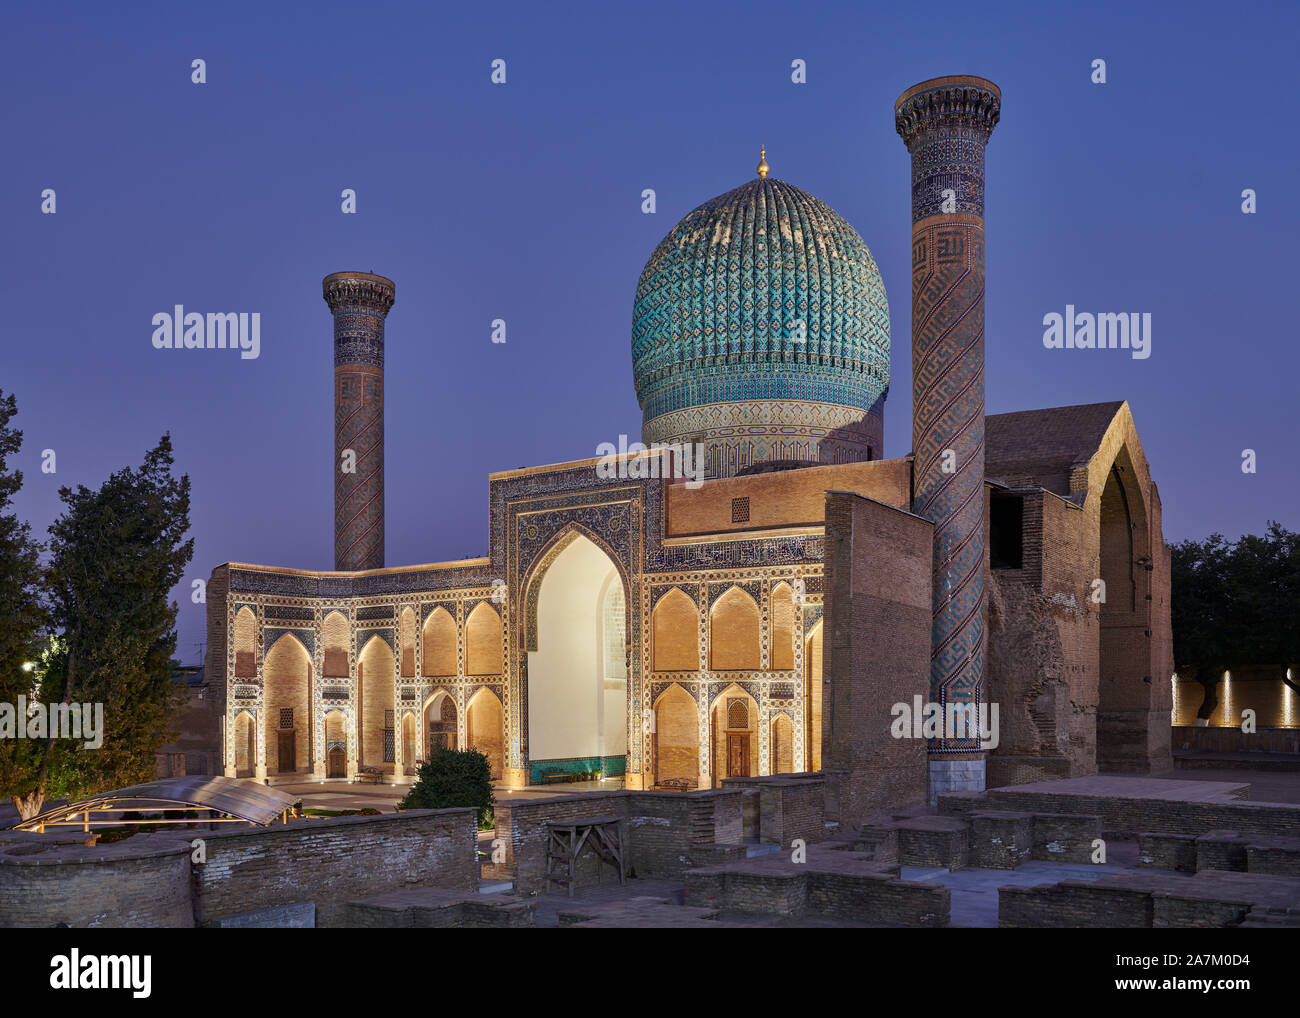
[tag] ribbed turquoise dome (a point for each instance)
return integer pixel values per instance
(720, 309)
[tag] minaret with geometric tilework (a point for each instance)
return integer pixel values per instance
(945, 124)
(359, 302)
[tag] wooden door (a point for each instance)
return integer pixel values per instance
(286, 752)
(737, 755)
(337, 763)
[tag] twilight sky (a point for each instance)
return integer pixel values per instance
(523, 202)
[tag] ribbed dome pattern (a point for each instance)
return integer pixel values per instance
(725, 297)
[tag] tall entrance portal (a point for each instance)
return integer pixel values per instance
(577, 676)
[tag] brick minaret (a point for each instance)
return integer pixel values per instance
(945, 124)
(359, 302)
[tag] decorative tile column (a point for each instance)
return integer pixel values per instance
(945, 124)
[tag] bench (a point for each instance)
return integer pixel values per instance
(675, 785)
(548, 778)
(372, 774)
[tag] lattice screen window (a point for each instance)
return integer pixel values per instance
(737, 713)
(390, 746)
(388, 719)
(740, 510)
(286, 717)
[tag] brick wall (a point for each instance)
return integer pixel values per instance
(117, 886)
(663, 833)
(877, 591)
(878, 899)
(783, 498)
(329, 862)
(1074, 903)
(1164, 816)
(1234, 740)
(838, 888)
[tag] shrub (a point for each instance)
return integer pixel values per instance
(453, 777)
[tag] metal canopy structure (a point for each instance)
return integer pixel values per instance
(225, 800)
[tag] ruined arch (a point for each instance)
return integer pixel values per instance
(1124, 680)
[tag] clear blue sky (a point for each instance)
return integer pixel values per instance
(522, 202)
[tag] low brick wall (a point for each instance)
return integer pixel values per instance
(141, 882)
(830, 883)
(1167, 852)
(329, 862)
(1166, 816)
(1234, 740)
(1073, 903)
(663, 833)
(430, 908)
(738, 890)
(878, 899)
(1175, 911)
(1208, 900)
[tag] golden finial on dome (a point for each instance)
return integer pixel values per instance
(762, 161)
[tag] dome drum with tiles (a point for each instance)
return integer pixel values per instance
(761, 331)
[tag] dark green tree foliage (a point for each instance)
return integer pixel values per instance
(115, 555)
(1234, 605)
(453, 777)
(22, 612)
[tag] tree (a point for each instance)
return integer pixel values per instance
(1236, 604)
(453, 777)
(22, 608)
(115, 555)
(1200, 613)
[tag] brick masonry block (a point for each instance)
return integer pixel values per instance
(1276, 856)
(933, 841)
(1167, 852)
(1060, 837)
(1001, 839)
(1222, 850)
